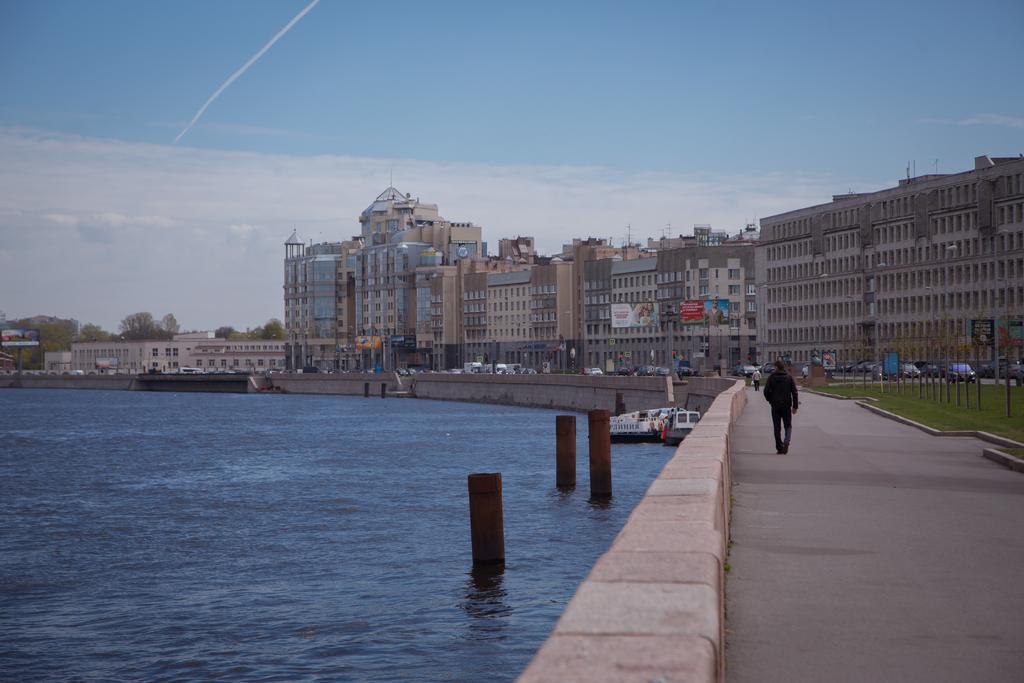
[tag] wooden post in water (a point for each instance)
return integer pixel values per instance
(565, 451)
(600, 438)
(383, 390)
(485, 518)
(366, 390)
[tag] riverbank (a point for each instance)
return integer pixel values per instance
(578, 393)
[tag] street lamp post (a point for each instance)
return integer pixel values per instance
(1006, 320)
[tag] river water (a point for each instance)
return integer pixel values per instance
(162, 536)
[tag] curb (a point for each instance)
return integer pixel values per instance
(983, 436)
(1008, 461)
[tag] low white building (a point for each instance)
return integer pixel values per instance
(197, 350)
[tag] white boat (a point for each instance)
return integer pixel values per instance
(648, 425)
(682, 423)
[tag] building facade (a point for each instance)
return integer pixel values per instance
(191, 350)
(403, 240)
(320, 304)
(901, 269)
(619, 292)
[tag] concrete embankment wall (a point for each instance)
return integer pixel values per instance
(341, 385)
(653, 607)
(566, 392)
(112, 382)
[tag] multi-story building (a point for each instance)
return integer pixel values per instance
(900, 269)
(619, 294)
(445, 325)
(724, 276)
(403, 239)
(320, 303)
(508, 316)
(553, 316)
(519, 249)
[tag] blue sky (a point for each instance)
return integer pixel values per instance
(599, 98)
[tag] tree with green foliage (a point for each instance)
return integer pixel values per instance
(93, 332)
(274, 329)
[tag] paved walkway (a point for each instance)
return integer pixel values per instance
(871, 552)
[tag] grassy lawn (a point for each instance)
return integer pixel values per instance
(1015, 452)
(947, 416)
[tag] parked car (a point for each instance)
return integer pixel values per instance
(910, 371)
(662, 372)
(593, 371)
(685, 371)
(960, 372)
(624, 370)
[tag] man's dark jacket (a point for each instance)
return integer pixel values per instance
(780, 391)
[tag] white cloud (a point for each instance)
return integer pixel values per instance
(243, 229)
(993, 120)
(981, 120)
(103, 228)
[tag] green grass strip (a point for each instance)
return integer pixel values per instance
(948, 416)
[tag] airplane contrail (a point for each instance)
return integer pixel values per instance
(245, 66)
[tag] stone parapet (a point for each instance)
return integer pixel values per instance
(653, 607)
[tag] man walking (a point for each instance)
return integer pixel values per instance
(756, 379)
(780, 392)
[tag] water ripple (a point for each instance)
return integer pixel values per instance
(152, 536)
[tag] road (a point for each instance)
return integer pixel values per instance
(871, 552)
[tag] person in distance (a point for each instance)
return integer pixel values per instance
(780, 392)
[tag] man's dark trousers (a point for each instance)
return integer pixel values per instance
(780, 417)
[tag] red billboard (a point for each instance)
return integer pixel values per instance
(691, 312)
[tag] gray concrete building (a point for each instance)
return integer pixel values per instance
(901, 269)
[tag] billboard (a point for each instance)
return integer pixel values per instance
(108, 363)
(19, 336)
(368, 343)
(691, 312)
(403, 341)
(716, 311)
(1010, 334)
(634, 315)
(981, 332)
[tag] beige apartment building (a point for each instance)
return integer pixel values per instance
(403, 239)
(901, 269)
